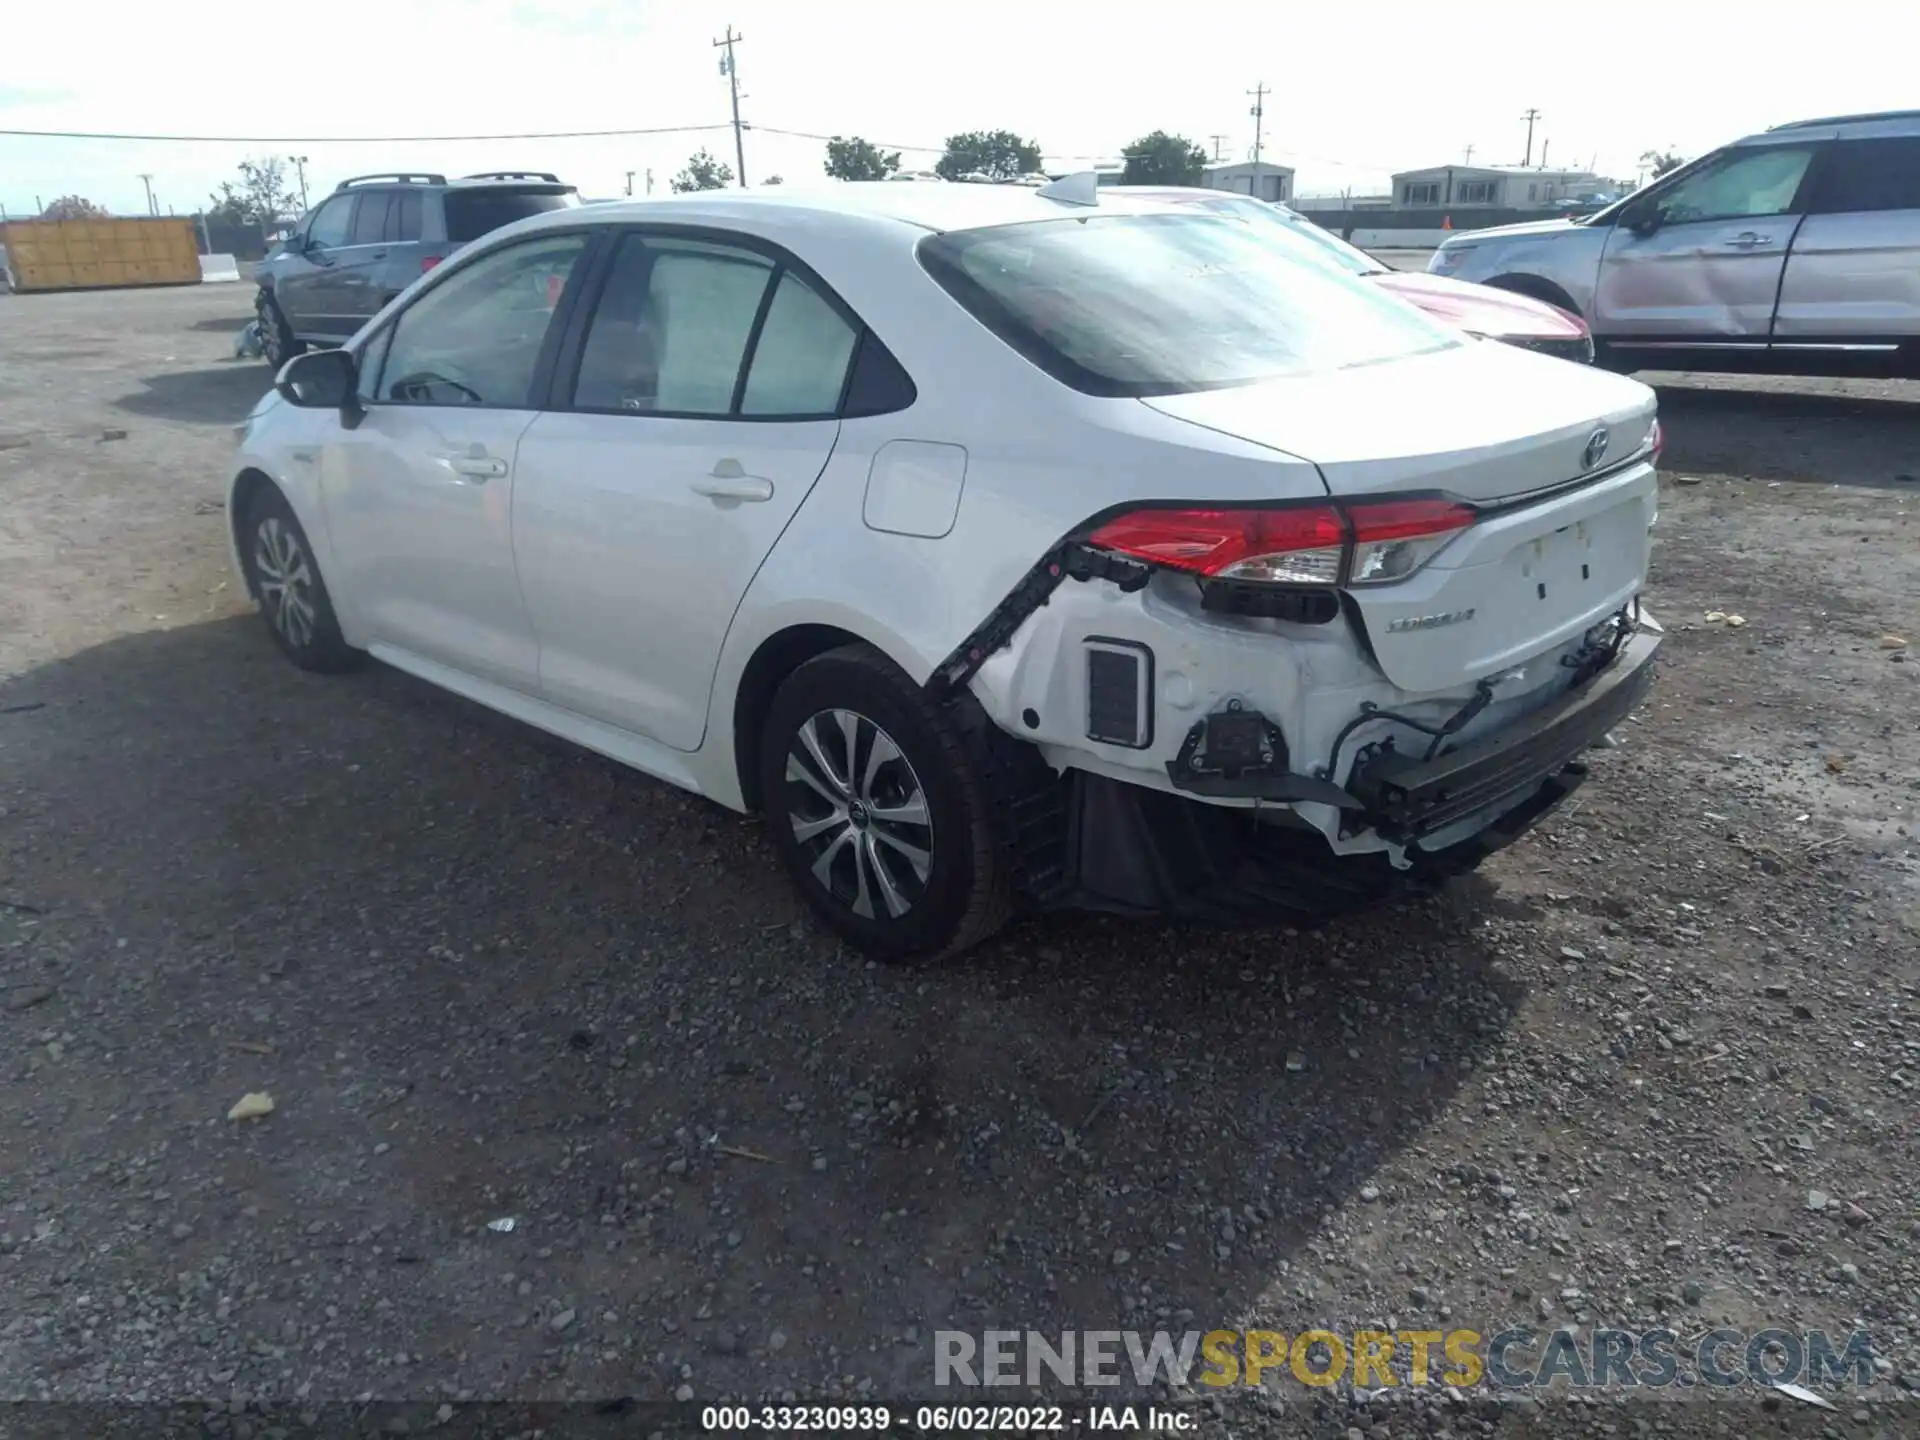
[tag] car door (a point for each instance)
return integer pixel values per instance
(697, 415)
(358, 265)
(1700, 259)
(419, 493)
(1853, 278)
(310, 292)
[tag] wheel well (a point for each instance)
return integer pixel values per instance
(1534, 288)
(246, 490)
(778, 657)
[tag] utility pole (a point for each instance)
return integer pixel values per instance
(1469, 159)
(630, 184)
(1544, 143)
(300, 169)
(147, 180)
(1217, 141)
(649, 182)
(731, 71)
(1529, 117)
(1259, 94)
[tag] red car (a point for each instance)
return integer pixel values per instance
(1479, 309)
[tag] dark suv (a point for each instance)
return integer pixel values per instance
(374, 236)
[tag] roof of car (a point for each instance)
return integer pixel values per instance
(928, 205)
(1891, 121)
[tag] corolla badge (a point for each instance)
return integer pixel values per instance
(1596, 450)
(1429, 622)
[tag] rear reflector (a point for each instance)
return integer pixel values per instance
(1367, 542)
(427, 262)
(1657, 440)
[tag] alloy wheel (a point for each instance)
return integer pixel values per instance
(859, 814)
(286, 581)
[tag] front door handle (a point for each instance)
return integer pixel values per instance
(730, 481)
(477, 468)
(1746, 240)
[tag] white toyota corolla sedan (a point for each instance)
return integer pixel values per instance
(1002, 547)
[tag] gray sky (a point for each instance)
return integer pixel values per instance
(1359, 90)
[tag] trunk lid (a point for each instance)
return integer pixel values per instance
(1490, 424)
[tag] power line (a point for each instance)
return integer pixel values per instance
(351, 139)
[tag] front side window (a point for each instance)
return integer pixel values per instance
(332, 222)
(1868, 175)
(1742, 184)
(1164, 304)
(475, 338)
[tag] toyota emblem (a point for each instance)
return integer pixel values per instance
(1596, 450)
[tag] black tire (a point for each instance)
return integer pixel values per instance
(962, 894)
(277, 341)
(288, 588)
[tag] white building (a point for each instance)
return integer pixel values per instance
(1262, 180)
(1510, 187)
(1306, 204)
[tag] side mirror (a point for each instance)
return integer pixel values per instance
(320, 380)
(1642, 219)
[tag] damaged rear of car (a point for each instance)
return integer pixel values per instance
(1356, 603)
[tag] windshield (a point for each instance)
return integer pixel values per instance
(1142, 305)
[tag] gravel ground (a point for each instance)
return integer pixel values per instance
(1657, 1065)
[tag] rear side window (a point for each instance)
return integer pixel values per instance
(800, 363)
(370, 220)
(1163, 304)
(1869, 175)
(403, 217)
(472, 213)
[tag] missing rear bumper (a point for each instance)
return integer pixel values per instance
(1408, 798)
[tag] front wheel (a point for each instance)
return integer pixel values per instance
(877, 810)
(292, 597)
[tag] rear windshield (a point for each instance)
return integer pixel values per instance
(1164, 304)
(472, 213)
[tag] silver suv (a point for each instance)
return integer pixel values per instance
(1792, 252)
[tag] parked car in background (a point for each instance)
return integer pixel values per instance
(1059, 546)
(374, 236)
(1477, 309)
(1795, 251)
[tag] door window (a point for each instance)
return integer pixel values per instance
(332, 222)
(403, 217)
(799, 364)
(1862, 175)
(370, 220)
(671, 328)
(1742, 184)
(475, 338)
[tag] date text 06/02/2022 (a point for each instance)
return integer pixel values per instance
(1018, 1419)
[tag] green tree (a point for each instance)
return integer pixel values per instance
(851, 158)
(259, 197)
(1163, 159)
(996, 154)
(703, 172)
(1660, 162)
(74, 207)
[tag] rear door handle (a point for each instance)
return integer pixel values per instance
(474, 467)
(730, 481)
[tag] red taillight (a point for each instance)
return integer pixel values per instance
(1657, 440)
(1370, 542)
(427, 262)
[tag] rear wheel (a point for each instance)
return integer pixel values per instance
(277, 341)
(286, 580)
(877, 810)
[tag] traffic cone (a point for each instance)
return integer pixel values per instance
(1446, 222)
